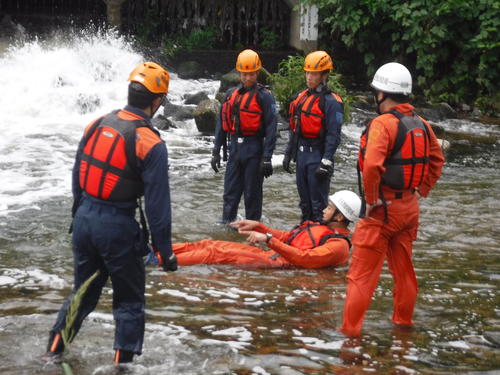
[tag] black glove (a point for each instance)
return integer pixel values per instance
(325, 169)
(215, 163)
(170, 264)
(286, 163)
(266, 167)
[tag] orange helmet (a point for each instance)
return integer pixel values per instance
(318, 61)
(152, 76)
(248, 61)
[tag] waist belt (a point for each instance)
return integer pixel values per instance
(398, 194)
(105, 207)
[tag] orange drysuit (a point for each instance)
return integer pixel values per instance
(334, 251)
(375, 239)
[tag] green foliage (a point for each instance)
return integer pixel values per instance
(269, 39)
(451, 46)
(290, 80)
(68, 333)
(196, 39)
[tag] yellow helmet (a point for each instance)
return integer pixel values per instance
(318, 61)
(152, 76)
(248, 61)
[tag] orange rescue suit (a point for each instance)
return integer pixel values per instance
(242, 113)
(332, 251)
(374, 240)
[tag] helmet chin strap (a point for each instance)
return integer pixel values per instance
(378, 103)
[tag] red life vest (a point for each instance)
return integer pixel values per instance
(241, 113)
(310, 234)
(109, 169)
(307, 113)
(408, 164)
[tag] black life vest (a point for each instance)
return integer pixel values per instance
(109, 169)
(241, 112)
(310, 234)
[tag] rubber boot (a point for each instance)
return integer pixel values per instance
(123, 356)
(55, 348)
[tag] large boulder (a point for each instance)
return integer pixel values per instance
(190, 70)
(205, 116)
(162, 123)
(437, 112)
(196, 98)
(177, 112)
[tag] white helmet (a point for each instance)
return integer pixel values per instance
(392, 78)
(348, 203)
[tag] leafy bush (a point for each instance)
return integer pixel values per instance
(290, 80)
(269, 39)
(196, 39)
(451, 46)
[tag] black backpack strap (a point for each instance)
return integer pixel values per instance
(324, 239)
(401, 135)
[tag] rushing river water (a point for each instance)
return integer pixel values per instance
(222, 319)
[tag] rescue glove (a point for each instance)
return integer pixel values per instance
(266, 167)
(215, 163)
(170, 265)
(286, 163)
(325, 169)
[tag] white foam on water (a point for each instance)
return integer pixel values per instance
(177, 293)
(51, 90)
(32, 277)
(242, 333)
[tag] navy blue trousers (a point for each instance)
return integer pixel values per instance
(313, 192)
(243, 176)
(108, 239)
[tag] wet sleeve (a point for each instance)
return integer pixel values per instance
(280, 235)
(157, 198)
(220, 134)
(333, 253)
(334, 115)
(269, 121)
(76, 189)
(436, 162)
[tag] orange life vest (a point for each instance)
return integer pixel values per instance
(310, 234)
(109, 169)
(408, 163)
(307, 113)
(241, 112)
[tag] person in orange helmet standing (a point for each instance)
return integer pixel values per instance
(400, 161)
(316, 117)
(120, 158)
(248, 119)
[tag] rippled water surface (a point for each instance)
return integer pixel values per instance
(222, 319)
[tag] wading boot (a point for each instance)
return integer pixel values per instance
(123, 356)
(55, 349)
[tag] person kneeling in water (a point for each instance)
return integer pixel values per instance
(308, 245)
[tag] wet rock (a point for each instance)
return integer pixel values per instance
(493, 337)
(205, 116)
(10, 29)
(364, 102)
(190, 70)
(87, 103)
(183, 113)
(170, 109)
(162, 123)
(437, 112)
(196, 98)
(465, 107)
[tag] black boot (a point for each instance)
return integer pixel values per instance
(123, 356)
(55, 348)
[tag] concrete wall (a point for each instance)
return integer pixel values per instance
(304, 45)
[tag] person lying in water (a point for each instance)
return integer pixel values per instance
(308, 245)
